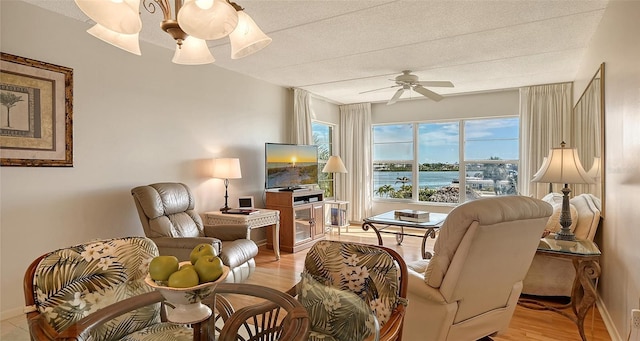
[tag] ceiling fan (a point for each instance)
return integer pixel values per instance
(408, 81)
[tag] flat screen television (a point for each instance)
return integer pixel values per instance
(290, 166)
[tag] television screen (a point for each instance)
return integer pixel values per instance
(288, 166)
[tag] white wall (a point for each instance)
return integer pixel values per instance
(480, 105)
(616, 44)
(136, 120)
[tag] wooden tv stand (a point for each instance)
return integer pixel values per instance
(301, 218)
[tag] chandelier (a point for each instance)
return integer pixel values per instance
(196, 21)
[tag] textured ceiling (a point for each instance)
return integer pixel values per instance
(339, 48)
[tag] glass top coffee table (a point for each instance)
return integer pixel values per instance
(387, 223)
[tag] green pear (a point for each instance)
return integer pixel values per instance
(186, 265)
(185, 278)
(201, 250)
(209, 268)
(161, 267)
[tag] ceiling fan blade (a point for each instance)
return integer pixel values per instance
(387, 87)
(427, 93)
(396, 96)
(438, 84)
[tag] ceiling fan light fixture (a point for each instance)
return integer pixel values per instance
(427, 93)
(127, 42)
(121, 16)
(199, 19)
(193, 51)
(408, 81)
(247, 38)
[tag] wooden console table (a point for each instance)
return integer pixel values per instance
(585, 256)
(263, 218)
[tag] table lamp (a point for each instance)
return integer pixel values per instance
(226, 168)
(594, 171)
(334, 165)
(563, 166)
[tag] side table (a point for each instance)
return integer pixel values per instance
(585, 256)
(338, 215)
(262, 218)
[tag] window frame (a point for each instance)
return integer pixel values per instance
(328, 190)
(462, 161)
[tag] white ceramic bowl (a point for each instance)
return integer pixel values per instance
(187, 302)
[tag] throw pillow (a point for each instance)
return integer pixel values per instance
(340, 314)
(553, 224)
(553, 198)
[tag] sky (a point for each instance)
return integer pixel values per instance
(286, 153)
(439, 142)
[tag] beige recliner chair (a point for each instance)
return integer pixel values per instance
(471, 286)
(168, 218)
(554, 276)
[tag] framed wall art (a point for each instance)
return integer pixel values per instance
(36, 126)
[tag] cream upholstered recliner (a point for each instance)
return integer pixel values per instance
(470, 288)
(554, 276)
(168, 218)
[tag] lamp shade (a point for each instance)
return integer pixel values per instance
(127, 42)
(334, 165)
(563, 166)
(193, 51)
(226, 168)
(545, 162)
(120, 16)
(594, 171)
(247, 38)
(207, 20)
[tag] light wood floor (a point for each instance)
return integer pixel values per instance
(526, 324)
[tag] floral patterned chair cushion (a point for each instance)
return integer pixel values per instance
(369, 272)
(74, 282)
(335, 314)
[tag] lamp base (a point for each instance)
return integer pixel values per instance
(562, 235)
(222, 209)
(565, 218)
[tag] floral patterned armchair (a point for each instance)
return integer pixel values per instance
(96, 291)
(353, 291)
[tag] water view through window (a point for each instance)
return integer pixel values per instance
(489, 159)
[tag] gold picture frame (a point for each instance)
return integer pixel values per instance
(36, 126)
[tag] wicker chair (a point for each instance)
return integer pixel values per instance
(96, 291)
(374, 274)
(281, 317)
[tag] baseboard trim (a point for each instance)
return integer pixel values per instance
(608, 322)
(11, 313)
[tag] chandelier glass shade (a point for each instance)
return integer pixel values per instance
(199, 19)
(193, 51)
(127, 42)
(121, 16)
(119, 24)
(247, 38)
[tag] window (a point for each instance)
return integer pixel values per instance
(489, 158)
(323, 138)
(439, 158)
(393, 161)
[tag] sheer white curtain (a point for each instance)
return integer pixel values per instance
(355, 150)
(301, 129)
(586, 134)
(544, 114)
